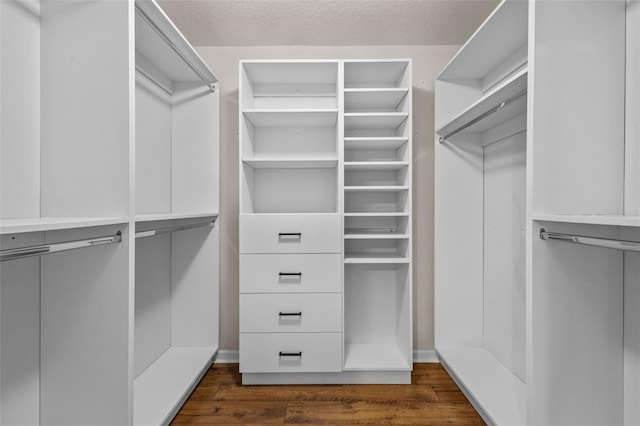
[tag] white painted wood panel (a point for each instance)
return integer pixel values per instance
(20, 109)
(20, 334)
(84, 324)
(152, 300)
(320, 352)
(319, 233)
(631, 330)
(319, 312)
(85, 144)
(319, 273)
(577, 304)
(504, 252)
(632, 111)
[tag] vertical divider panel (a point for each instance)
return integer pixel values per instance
(632, 111)
(631, 330)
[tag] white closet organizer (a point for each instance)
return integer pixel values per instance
(138, 316)
(296, 316)
(531, 136)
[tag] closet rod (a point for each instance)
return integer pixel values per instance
(18, 253)
(591, 241)
(175, 48)
(160, 231)
(154, 81)
(484, 115)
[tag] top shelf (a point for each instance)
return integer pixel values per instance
(488, 46)
(505, 101)
(160, 41)
(377, 74)
(606, 220)
(40, 224)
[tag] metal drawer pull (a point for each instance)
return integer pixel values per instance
(296, 354)
(297, 235)
(290, 314)
(290, 274)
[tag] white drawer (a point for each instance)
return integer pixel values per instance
(290, 273)
(291, 313)
(290, 352)
(290, 233)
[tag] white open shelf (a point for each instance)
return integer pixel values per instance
(374, 236)
(291, 163)
(369, 74)
(38, 224)
(489, 383)
(510, 88)
(153, 217)
(373, 143)
(610, 220)
(374, 99)
(375, 188)
(374, 120)
(378, 214)
(160, 390)
(364, 258)
(375, 165)
(374, 356)
(292, 117)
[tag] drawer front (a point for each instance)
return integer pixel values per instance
(290, 352)
(275, 233)
(290, 273)
(290, 313)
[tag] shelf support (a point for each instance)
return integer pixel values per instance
(22, 252)
(591, 241)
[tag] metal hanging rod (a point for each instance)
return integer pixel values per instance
(18, 253)
(484, 115)
(175, 48)
(591, 241)
(153, 232)
(153, 80)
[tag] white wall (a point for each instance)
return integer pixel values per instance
(427, 62)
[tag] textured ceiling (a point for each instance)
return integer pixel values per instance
(327, 22)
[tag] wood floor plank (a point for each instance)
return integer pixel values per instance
(231, 412)
(329, 412)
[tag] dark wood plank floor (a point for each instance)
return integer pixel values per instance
(431, 399)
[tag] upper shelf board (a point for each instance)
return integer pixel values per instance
(606, 220)
(291, 72)
(292, 117)
(39, 224)
(489, 46)
(382, 99)
(374, 143)
(390, 73)
(509, 98)
(374, 120)
(151, 22)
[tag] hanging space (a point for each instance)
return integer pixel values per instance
(176, 229)
(377, 218)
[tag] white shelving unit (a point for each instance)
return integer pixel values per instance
(70, 180)
(377, 222)
(520, 326)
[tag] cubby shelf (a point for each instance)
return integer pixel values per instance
(507, 100)
(374, 120)
(373, 143)
(379, 356)
(375, 236)
(378, 214)
(375, 188)
(38, 224)
(375, 165)
(368, 258)
(373, 99)
(289, 163)
(292, 117)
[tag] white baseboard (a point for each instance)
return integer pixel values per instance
(227, 356)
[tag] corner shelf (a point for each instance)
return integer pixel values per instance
(474, 119)
(292, 117)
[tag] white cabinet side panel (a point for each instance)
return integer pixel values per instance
(631, 331)
(504, 252)
(578, 107)
(153, 148)
(20, 335)
(577, 325)
(19, 109)
(85, 332)
(458, 244)
(194, 288)
(85, 108)
(196, 157)
(153, 300)
(632, 122)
